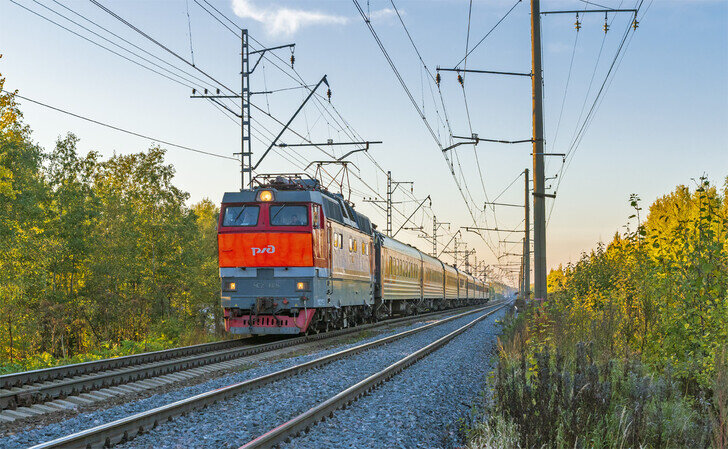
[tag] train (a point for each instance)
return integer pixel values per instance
(295, 258)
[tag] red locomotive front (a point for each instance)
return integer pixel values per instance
(273, 259)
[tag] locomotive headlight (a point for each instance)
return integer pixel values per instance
(265, 195)
(229, 286)
(301, 286)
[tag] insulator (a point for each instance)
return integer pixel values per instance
(205, 91)
(577, 24)
(635, 24)
(218, 91)
(606, 25)
(460, 80)
(328, 94)
(194, 91)
(293, 59)
(437, 78)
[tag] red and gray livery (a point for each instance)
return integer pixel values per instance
(296, 258)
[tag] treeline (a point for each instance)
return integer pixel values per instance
(631, 347)
(97, 256)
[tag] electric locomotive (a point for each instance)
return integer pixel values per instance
(295, 258)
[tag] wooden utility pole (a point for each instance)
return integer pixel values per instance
(527, 243)
(539, 198)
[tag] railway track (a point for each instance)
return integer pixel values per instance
(305, 421)
(27, 394)
(127, 428)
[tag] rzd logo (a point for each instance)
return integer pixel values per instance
(270, 249)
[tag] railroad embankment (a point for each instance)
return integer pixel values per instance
(630, 349)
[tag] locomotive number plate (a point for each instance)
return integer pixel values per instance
(262, 284)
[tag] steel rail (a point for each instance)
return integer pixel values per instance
(125, 372)
(326, 409)
(124, 429)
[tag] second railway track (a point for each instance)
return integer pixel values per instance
(27, 394)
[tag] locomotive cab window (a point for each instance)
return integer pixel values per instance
(240, 216)
(288, 215)
(316, 216)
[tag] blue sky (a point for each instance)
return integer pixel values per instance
(661, 121)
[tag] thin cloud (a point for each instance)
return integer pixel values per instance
(384, 13)
(282, 20)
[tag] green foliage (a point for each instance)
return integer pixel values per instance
(104, 350)
(653, 305)
(660, 291)
(98, 254)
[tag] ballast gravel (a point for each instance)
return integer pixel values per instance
(233, 422)
(420, 407)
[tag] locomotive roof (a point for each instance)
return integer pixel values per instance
(250, 196)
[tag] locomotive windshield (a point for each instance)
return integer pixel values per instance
(288, 215)
(241, 216)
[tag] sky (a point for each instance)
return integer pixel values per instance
(660, 119)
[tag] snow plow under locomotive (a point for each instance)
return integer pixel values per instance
(295, 258)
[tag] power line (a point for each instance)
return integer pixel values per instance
(621, 49)
(98, 44)
(132, 44)
(467, 112)
(116, 128)
(346, 127)
(189, 30)
(411, 97)
(148, 37)
(489, 32)
(217, 19)
(396, 72)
